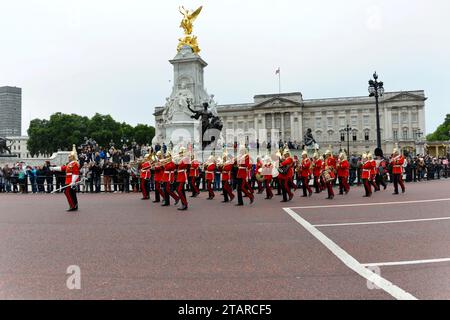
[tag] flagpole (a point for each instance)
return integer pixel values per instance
(279, 81)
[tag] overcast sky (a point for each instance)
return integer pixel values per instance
(111, 56)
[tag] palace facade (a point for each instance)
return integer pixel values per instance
(402, 120)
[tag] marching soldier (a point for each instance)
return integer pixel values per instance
(72, 170)
(373, 173)
(330, 172)
(365, 175)
(397, 170)
(317, 172)
(286, 175)
(267, 173)
(193, 176)
(244, 165)
(380, 172)
(305, 172)
(145, 177)
(259, 165)
(226, 167)
(159, 172)
(343, 173)
(210, 167)
(183, 164)
(168, 179)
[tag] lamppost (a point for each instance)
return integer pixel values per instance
(347, 129)
(419, 135)
(376, 90)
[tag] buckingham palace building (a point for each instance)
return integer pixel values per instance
(402, 120)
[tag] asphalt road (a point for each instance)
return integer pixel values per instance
(126, 248)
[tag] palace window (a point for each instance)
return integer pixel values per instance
(287, 120)
(330, 122)
(414, 117)
(404, 117)
(342, 122)
(278, 120)
(342, 136)
(405, 134)
(366, 135)
(366, 120)
(318, 123)
(268, 120)
(354, 120)
(395, 135)
(355, 136)
(395, 118)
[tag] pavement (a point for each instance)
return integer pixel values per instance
(385, 247)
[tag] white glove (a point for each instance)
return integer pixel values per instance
(55, 168)
(74, 180)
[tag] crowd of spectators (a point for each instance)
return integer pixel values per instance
(115, 169)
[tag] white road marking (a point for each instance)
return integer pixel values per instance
(402, 263)
(378, 222)
(371, 204)
(351, 262)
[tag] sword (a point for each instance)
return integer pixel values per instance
(69, 185)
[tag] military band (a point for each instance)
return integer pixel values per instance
(172, 175)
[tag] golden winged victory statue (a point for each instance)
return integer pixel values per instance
(187, 24)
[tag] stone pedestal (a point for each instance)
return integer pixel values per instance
(176, 124)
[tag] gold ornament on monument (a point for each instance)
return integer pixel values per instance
(187, 25)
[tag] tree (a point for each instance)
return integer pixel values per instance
(61, 131)
(442, 133)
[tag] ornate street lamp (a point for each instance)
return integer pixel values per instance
(376, 90)
(347, 130)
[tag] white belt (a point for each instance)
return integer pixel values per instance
(210, 172)
(182, 170)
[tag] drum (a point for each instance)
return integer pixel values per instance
(259, 177)
(327, 176)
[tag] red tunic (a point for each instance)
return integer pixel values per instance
(366, 167)
(193, 170)
(331, 164)
(397, 164)
(169, 175)
(306, 168)
(244, 165)
(343, 169)
(159, 172)
(71, 169)
(145, 170)
(182, 170)
(210, 171)
(373, 163)
(226, 171)
(317, 171)
(287, 162)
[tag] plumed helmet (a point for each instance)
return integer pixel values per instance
(159, 153)
(73, 154)
(286, 151)
(147, 157)
(328, 152)
(316, 155)
(342, 156)
(395, 151)
(369, 156)
(182, 151)
(305, 153)
(364, 155)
